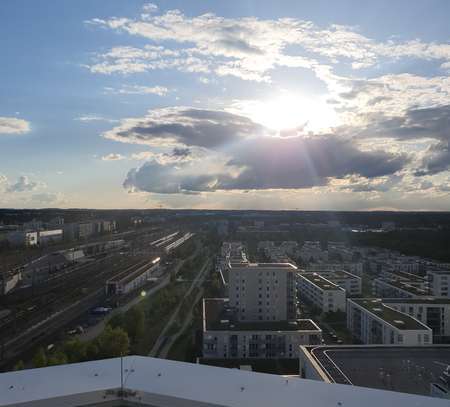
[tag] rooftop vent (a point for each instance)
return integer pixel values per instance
(224, 321)
(399, 322)
(377, 309)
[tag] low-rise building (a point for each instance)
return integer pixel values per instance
(311, 251)
(349, 282)
(394, 288)
(321, 292)
(23, 238)
(226, 336)
(50, 236)
(372, 322)
(433, 312)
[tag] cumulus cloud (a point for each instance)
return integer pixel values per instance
(248, 47)
(113, 157)
(235, 153)
(185, 126)
(12, 125)
(24, 184)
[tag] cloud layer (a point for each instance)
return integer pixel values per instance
(12, 125)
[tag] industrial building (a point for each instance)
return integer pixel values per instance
(144, 381)
(372, 322)
(419, 370)
(132, 278)
(321, 292)
(227, 337)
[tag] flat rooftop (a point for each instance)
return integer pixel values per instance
(421, 300)
(395, 318)
(320, 281)
(218, 316)
(340, 274)
(266, 266)
(408, 276)
(161, 383)
(405, 287)
(399, 368)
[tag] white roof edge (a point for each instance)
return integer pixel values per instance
(160, 382)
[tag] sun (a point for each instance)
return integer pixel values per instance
(289, 111)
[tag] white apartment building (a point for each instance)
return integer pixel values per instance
(433, 312)
(349, 282)
(321, 292)
(263, 291)
(412, 279)
(438, 282)
(227, 337)
(372, 322)
(312, 251)
(355, 268)
(394, 288)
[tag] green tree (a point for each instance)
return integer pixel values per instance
(135, 323)
(40, 358)
(117, 320)
(92, 351)
(75, 350)
(19, 365)
(58, 358)
(113, 342)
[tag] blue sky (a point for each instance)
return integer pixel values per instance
(213, 104)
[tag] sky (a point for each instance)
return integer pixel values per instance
(258, 104)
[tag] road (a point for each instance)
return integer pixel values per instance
(163, 341)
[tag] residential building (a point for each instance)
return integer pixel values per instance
(349, 282)
(321, 292)
(372, 322)
(438, 282)
(23, 238)
(394, 288)
(227, 336)
(263, 291)
(433, 312)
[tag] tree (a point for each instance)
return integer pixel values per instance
(75, 350)
(117, 320)
(40, 359)
(135, 323)
(58, 358)
(19, 365)
(92, 351)
(113, 342)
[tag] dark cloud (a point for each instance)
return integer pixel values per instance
(432, 122)
(436, 160)
(268, 163)
(186, 126)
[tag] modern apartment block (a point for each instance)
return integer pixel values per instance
(394, 288)
(433, 312)
(263, 291)
(438, 282)
(321, 292)
(372, 322)
(349, 282)
(226, 336)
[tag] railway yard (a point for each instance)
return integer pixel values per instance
(31, 314)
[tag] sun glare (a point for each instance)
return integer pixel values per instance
(291, 111)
